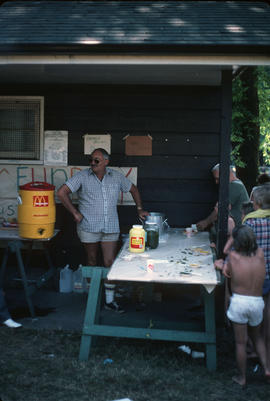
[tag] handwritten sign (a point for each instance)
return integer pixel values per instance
(12, 176)
(92, 142)
(55, 148)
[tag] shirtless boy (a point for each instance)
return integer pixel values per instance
(245, 267)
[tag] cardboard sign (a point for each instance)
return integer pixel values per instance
(139, 145)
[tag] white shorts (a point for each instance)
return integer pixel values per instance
(86, 237)
(245, 309)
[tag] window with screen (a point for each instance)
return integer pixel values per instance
(21, 130)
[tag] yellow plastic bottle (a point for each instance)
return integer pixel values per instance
(137, 239)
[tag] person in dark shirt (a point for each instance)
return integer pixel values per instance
(237, 195)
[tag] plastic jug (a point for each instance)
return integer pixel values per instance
(66, 281)
(79, 283)
(137, 239)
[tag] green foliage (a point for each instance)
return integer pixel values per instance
(264, 111)
(238, 119)
(242, 117)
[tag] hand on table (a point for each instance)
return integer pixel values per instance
(142, 214)
(202, 225)
(219, 263)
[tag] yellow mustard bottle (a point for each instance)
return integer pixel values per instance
(137, 239)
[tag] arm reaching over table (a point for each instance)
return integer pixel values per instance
(207, 222)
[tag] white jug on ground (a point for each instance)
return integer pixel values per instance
(66, 279)
(79, 283)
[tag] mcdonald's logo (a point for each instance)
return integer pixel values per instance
(41, 201)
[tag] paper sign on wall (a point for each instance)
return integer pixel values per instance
(92, 142)
(55, 148)
(138, 145)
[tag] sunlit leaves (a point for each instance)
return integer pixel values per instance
(243, 119)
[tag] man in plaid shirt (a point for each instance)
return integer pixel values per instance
(259, 221)
(98, 189)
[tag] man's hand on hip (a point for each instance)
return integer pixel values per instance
(77, 216)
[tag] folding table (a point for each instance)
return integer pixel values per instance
(14, 245)
(178, 260)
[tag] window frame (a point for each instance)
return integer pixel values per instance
(41, 132)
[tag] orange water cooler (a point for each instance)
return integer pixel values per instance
(36, 210)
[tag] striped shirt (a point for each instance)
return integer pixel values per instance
(98, 199)
(261, 228)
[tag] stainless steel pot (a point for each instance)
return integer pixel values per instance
(159, 219)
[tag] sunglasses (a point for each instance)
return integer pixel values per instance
(95, 161)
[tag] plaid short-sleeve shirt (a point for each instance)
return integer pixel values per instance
(98, 199)
(261, 228)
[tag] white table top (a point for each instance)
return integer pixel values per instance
(179, 260)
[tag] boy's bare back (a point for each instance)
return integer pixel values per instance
(247, 273)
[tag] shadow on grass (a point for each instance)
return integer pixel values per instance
(44, 365)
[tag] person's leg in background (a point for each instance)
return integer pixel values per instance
(266, 326)
(260, 347)
(5, 317)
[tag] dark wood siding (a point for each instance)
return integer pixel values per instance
(184, 123)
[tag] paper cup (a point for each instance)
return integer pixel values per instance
(194, 228)
(150, 266)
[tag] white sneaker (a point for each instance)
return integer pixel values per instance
(12, 324)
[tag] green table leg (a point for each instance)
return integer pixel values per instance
(15, 246)
(210, 328)
(91, 312)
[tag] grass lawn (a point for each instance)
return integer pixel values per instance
(44, 365)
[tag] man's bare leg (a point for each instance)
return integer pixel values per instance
(109, 249)
(240, 336)
(259, 344)
(91, 249)
(109, 252)
(91, 252)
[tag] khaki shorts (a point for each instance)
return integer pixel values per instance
(245, 309)
(86, 237)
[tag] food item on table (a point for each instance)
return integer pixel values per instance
(201, 250)
(152, 239)
(194, 265)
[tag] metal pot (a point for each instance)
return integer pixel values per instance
(159, 219)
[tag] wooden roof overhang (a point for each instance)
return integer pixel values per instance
(199, 35)
(172, 36)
